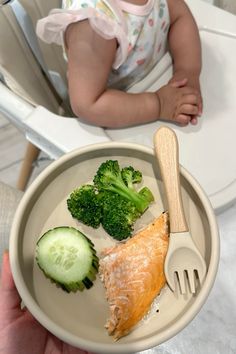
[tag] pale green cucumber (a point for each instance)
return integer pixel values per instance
(68, 258)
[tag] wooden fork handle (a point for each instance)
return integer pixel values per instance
(167, 153)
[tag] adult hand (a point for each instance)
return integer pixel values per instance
(20, 333)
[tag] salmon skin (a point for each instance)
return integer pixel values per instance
(133, 275)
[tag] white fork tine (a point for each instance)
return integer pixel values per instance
(191, 280)
(182, 281)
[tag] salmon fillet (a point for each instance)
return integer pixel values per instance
(133, 275)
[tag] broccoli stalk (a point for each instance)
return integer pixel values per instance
(109, 178)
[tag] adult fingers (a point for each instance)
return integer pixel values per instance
(9, 297)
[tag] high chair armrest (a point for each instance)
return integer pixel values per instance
(57, 135)
(53, 134)
(13, 107)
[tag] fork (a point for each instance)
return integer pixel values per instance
(183, 261)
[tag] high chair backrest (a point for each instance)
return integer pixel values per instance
(18, 64)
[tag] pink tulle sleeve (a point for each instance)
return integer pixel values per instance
(51, 28)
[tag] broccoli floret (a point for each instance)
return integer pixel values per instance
(119, 215)
(84, 204)
(109, 177)
(112, 200)
(131, 176)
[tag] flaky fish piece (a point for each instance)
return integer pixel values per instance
(133, 275)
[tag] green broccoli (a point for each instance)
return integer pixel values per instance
(111, 201)
(146, 193)
(109, 177)
(131, 176)
(84, 204)
(119, 215)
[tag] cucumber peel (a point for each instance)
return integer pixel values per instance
(68, 258)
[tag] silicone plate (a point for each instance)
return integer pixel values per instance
(79, 318)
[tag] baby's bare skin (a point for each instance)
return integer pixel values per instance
(179, 102)
(90, 59)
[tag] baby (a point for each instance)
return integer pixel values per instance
(111, 44)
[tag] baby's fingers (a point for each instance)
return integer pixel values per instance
(178, 83)
(192, 96)
(194, 120)
(189, 109)
(200, 106)
(183, 119)
(191, 99)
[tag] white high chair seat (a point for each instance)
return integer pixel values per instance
(204, 149)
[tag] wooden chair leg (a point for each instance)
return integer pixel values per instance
(31, 155)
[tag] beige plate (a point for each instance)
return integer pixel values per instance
(79, 318)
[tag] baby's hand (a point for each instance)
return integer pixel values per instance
(181, 79)
(178, 103)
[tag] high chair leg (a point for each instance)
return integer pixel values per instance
(31, 155)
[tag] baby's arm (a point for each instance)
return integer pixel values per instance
(185, 46)
(184, 41)
(90, 59)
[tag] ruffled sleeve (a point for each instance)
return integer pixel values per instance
(104, 16)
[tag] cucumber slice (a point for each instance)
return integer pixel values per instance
(68, 258)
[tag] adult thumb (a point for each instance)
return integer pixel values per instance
(9, 297)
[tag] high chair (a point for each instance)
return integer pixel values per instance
(21, 71)
(33, 97)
